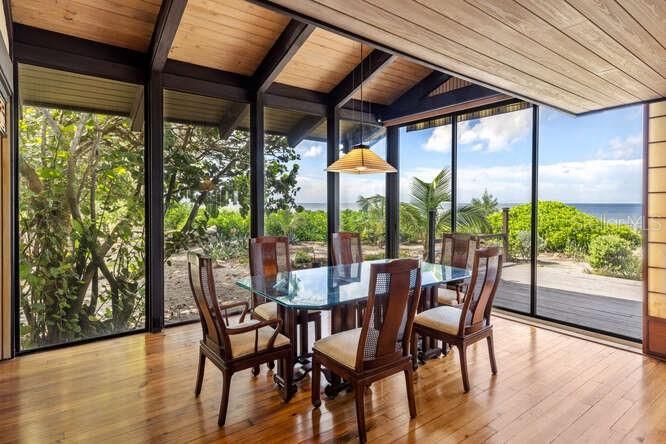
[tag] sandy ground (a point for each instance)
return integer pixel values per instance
(565, 274)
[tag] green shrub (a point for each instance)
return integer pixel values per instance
(175, 216)
(231, 224)
(611, 255)
(563, 228)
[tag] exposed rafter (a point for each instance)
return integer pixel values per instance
(284, 48)
(433, 103)
(363, 72)
(304, 127)
(167, 24)
(232, 117)
(413, 95)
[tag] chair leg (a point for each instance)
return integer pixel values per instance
(303, 336)
(316, 383)
(255, 370)
(359, 390)
(414, 351)
(491, 353)
(463, 366)
(409, 381)
(224, 403)
(200, 373)
(271, 365)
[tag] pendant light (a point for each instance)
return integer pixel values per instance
(361, 159)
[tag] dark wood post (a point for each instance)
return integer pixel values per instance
(332, 179)
(154, 164)
(393, 193)
(432, 234)
(257, 165)
(505, 232)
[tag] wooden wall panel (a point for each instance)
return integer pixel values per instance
(655, 311)
(124, 23)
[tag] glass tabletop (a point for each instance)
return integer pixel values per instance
(326, 287)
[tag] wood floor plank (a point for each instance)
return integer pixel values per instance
(139, 388)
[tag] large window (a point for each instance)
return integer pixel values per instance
(494, 191)
(363, 197)
(425, 184)
(590, 207)
(206, 196)
(295, 184)
(80, 208)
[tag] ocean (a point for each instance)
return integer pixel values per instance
(620, 213)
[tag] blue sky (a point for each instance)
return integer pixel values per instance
(589, 159)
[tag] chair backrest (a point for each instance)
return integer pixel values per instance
(269, 255)
(346, 248)
(458, 249)
(202, 283)
(393, 298)
(486, 275)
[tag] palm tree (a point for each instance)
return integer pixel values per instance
(433, 196)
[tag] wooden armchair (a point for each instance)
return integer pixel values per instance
(232, 348)
(346, 248)
(457, 251)
(471, 323)
(269, 255)
(381, 347)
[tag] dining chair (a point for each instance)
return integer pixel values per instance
(232, 347)
(380, 347)
(269, 255)
(470, 323)
(457, 251)
(346, 248)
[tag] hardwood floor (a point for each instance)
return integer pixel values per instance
(550, 387)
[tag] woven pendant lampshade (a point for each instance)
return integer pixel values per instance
(361, 160)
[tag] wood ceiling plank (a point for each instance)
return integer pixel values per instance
(650, 14)
(393, 81)
(119, 23)
(609, 16)
(571, 22)
(485, 23)
(230, 35)
(393, 31)
(472, 42)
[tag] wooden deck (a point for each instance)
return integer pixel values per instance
(620, 316)
(139, 388)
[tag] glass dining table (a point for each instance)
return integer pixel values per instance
(340, 289)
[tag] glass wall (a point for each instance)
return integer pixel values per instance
(425, 184)
(295, 184)
(590, 216)
(206, 196)
(80, 208)
(363, 197)
(494, 191)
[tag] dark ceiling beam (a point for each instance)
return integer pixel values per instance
(9, 21)
(413, 95)
(195, 79)
(231, 118)
(137, 113)
(285, 47)
(303, 128)
(363, 72)
(371, 134)
(439, 101)
(168, 20)
(48, 49)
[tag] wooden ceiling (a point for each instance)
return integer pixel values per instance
(392, 81)
(577, 55)
(125, 23)
(231, 35)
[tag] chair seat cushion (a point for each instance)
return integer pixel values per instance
(443, 318)
(446, 296)
(243, 344)
(341, 347)
(268, 311)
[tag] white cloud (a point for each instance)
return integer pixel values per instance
(628, 148)
(313, 189)
(497, 133)
(311, 151)
(440, 140)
